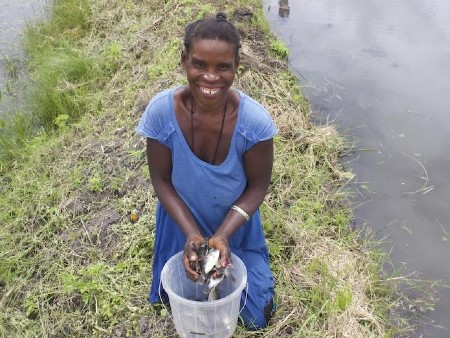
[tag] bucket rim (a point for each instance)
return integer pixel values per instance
(206, 304)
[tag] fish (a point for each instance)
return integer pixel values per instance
(211, 260)
(213, 294)
(210, 270)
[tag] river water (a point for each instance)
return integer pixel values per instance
(380, 70)
(14, 16)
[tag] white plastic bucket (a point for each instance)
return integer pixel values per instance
(193, 318)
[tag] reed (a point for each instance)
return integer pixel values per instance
(61, 78)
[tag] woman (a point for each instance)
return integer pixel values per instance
(210, 155)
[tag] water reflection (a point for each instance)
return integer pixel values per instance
(283, 9)
(381, 70)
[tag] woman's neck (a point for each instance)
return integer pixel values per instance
(202, 108)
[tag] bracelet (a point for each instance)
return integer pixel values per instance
(242, 212)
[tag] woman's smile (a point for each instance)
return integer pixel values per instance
(210, 91)
(210, 68)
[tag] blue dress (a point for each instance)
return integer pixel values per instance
(209, 191)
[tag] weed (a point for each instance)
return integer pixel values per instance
(60, 75)
(12, 67)
(167, 59)
(344, 299)
(279, 48)
(95, 183)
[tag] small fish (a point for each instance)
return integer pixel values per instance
(214, 281)
(211, 260)
(211, 290)
(213, 294)
(228, 273)
(210, 270)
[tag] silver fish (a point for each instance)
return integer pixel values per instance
(211, 260)
(213, 294)
(210, 270)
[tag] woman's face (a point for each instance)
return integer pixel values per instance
(210, 69)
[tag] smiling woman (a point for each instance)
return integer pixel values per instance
(224, 140)
(207, 103)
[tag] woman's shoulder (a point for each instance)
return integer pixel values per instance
(162, 98)
(161, 106)
(157, 117)
(255, 122)
(253, 111)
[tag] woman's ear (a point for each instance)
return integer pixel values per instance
(183, 57)
(237, 61)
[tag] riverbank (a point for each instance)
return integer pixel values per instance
(73, 264)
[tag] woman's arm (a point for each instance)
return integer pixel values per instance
(258, 162)
(160, 166)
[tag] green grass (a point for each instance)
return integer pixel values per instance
(62, 77)
(73, 265)
(279, 49)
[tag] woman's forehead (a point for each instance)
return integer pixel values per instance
(213, 47)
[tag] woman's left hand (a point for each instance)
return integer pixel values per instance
(221, 243)
(190, 256)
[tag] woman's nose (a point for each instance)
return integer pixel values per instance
(210, 76)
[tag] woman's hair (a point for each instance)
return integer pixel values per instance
(212, 28)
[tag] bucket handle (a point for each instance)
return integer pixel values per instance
(162, 300)
(245, 299)
(199, 333)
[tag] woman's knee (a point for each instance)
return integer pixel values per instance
(256, 318)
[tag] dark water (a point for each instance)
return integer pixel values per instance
(14, 16)
(381, 70)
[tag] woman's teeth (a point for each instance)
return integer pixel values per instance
(209, 91)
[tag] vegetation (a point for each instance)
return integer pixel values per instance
(72, 264)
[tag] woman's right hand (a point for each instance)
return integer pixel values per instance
(221, 243)
(190, 256)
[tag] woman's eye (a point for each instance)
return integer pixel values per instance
(224, 67)
(198, 64)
